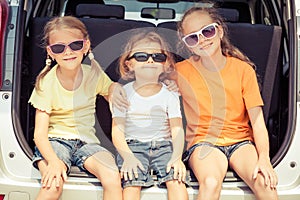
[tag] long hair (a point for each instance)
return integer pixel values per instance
(66, 22)
(142, 36)
(227, 48)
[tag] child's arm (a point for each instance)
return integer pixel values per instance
(130, 163)
(55, 167)
(261, 140)
(178, 145)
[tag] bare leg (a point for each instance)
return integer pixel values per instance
(209, 166)
(243, 162)
(176, 190)
(52, 192)
(132, 193)
(103, 166)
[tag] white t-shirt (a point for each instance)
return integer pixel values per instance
(147, 118)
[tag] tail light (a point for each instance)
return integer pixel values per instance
(3, 23)
(1, 196)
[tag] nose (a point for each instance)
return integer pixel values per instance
(68, 49)
(201, 38)
(150, 60)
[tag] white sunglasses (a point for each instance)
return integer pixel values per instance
(208, 32)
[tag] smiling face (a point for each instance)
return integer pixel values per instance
(148, 70)
(206, 46)
(68, 59)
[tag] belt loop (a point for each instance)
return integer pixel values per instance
(153, 144)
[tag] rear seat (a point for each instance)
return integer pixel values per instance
(261, 43)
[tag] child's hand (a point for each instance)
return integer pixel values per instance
(264, 167)
(171, 85)
(118, 97)
(179, 169)
(55, 171)
(130, 165)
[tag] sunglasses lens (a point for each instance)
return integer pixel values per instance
(57, 48)
(77, 45)
(60, 48)
(191, 40)
(209, 31)
(141, 57)
(159, 57)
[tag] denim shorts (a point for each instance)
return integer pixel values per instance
(154, 157)
(71, 152)
(227, 150)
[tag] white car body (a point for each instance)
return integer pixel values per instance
(19, 180)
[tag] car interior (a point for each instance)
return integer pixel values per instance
(109, 31)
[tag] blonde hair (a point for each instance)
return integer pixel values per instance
(228, 49)
(142, 36)
(67, 22)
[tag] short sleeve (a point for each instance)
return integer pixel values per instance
(122, 113)
(174, 110)
(103, 84)
(251, 92)
(118, 113)
(41, 99)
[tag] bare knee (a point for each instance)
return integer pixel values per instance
(132, 193)
(211, 183)
(111, 179)
(263, 191)
(210, 188)
(50, 193)
(176, 190)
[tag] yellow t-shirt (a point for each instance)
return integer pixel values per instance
(216, 103)
(72, 113)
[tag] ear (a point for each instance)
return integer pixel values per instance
(220, 31)
(87, 46)
(49, 52)
(129, 65)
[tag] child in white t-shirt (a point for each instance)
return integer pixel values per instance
(148, 134)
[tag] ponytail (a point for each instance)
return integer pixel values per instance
(43, 73)
(95, 69)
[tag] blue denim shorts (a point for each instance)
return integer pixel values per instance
(227, 150)
(71, 152)
(154, 157)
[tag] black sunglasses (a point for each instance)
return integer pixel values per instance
(60, 48)
(142, 57)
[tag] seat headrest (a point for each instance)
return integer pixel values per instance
(72, 4)
(229, 15)
(100, 11)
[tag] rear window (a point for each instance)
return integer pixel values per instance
(133, 8)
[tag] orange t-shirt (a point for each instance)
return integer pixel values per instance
(216, 102)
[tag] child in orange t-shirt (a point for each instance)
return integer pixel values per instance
(221, 96)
